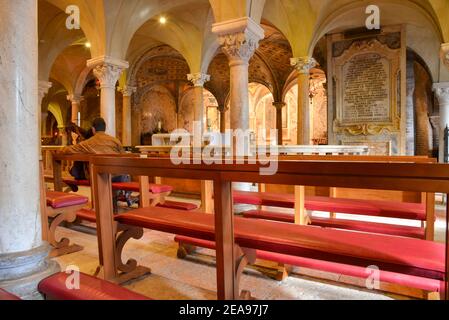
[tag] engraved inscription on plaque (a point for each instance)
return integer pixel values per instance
(366, 89)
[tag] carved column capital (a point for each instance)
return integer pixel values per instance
(127, 91)
(279, 105)
(74, 98)
(445, 54)
(303, 64)
(239, 38)
(44, 86)
(108, 70)
(442, 92)
(198, 79)
(222, 109)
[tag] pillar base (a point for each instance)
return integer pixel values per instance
(21, 272)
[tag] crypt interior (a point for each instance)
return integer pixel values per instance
(306, 76)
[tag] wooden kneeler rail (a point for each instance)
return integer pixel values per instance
(419, 177)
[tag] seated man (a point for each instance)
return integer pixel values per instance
(100, 143)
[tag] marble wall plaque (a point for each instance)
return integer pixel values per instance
(366, 89)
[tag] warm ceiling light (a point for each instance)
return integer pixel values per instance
(87, 45)
(162, 20)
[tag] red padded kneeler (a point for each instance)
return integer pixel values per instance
(86, 215)
(91, 288)
(178, 205)
(354, 225)
(59, 200)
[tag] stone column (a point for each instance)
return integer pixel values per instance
(410, 128)
(127, 93)
(76, 103)
(23, 256)
(303, 65)
(442, 93)
(108, 71)
(239, 40)
(43, 87)
(279, 106)
(222, 110)
(198, 80)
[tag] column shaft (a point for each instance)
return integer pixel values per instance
(23, 256)
(126, 121)
(239, 96)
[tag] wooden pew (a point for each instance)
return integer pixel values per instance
(358, 195)
(150, 194)
(292, 240)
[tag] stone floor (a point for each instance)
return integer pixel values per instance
(194, 278)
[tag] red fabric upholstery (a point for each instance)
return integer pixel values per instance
(338, 268)
(134, 187)
(91, 288)
(403, 255)
(59, 200)
(264, 199)
(364, 226)
(391, 209)
(82, 183)
(178, 205)
(87, 215)
(6, 296)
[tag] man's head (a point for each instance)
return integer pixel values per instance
(99, 125)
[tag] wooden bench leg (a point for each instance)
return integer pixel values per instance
(244, 257)
(61, 247)
(130, 270)
(185, 249)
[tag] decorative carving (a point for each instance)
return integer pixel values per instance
(279, 105)
(442, 93)
(124, 233)
(75, 98)
(239, 46)
(127, 91)
(303, 64)
(108, 74)
(44, 86)
(445, 54)
(198, 79)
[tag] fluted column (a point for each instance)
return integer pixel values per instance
(442, 93)
(279, 106)
(303, 65)
(239, 40)
(23, 255)
(108, 71)
(76, 103)
(198, 80)
(127, 93)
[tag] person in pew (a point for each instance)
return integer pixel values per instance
(99, 143)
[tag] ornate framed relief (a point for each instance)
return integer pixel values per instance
(366, 89)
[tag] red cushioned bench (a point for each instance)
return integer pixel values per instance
(91, 288)
(375, 208)
(410, 281)
(363, 226)
(6, 296)
(401, 256)
(61, 207)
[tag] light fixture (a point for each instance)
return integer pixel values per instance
(87, 45)
(162, 20)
